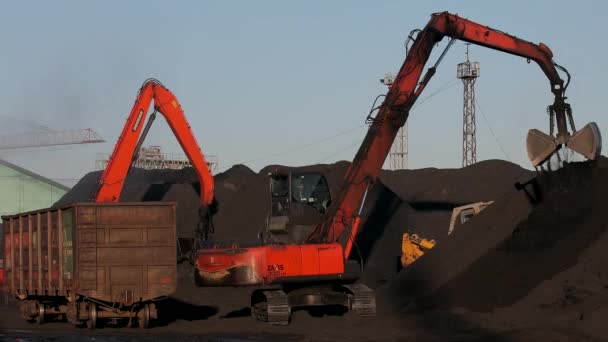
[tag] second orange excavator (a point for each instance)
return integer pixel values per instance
(133, 136)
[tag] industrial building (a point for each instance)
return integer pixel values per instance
(23, 190)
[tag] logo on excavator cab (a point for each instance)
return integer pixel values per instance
(277, 267)
(138, 120)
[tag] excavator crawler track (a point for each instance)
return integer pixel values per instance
(363, 300)
(274, 309)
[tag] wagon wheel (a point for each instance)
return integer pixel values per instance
(92, 321)
(143, 317)
(41, 313)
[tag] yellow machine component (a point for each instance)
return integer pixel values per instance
(413, 247)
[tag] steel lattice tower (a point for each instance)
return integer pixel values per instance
(468, 73)
(399, 150)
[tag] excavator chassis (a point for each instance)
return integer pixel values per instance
(275, 306)
(288, 283)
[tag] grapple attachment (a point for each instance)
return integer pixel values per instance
(586, 141)
(540, 146)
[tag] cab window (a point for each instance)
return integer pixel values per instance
(279, 186)
(312, 189)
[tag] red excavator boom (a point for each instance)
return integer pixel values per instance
(113, 178)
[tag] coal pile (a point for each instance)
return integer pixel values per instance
(527, 256)
(453, 254)
(421, 201)
(482, 181)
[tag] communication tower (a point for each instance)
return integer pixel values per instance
(399, 150)
(468, 73)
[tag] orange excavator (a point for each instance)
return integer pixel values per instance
(319, 271)
(133, 136)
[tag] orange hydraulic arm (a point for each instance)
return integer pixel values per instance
(342, 221)
(113, 178)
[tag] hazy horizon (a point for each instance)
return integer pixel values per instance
(282, 83)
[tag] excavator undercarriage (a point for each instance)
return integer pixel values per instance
(276, 305)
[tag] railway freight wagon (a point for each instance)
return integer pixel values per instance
(90, 262)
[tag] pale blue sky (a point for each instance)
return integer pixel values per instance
(257, 78)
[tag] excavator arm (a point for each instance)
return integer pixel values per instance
(343, 220)
(113, 178)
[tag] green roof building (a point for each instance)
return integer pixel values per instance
(23, 190)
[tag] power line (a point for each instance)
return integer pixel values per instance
(295, 148)
(351, 145)
(487, 122)
(449, 84)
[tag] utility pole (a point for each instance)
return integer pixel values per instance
(468, 73)
(399, 150)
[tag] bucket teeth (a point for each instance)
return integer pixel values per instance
(587, 141)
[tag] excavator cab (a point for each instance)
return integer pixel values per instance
(298, 201)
